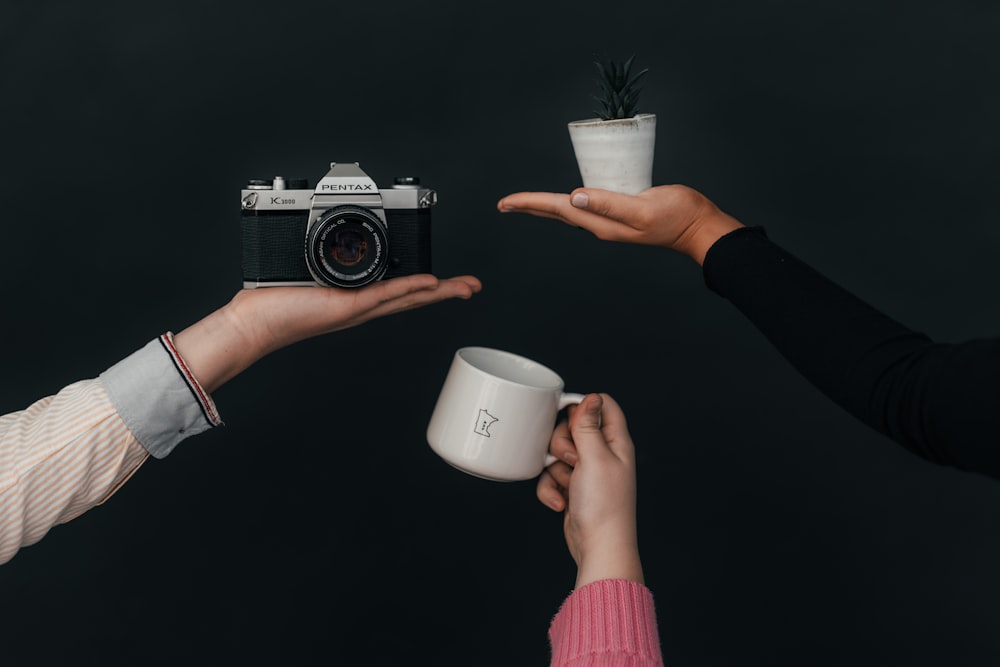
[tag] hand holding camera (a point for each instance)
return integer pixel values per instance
(257, 322)
(345, 233)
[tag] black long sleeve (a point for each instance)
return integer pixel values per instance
(941, 401)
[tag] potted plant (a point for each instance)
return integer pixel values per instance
(615, 150)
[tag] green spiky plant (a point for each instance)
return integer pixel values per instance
(619, 94)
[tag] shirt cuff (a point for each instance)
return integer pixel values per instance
(158, 398)
(606, 618)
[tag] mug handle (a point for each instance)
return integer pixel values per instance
(564, 401)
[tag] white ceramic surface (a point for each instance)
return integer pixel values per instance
(615, 154)
(496, 414)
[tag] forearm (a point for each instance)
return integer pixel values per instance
(58, 458)
(70, 452)
(932, 398)
(822, 329)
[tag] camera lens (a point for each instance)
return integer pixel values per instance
(347, 247)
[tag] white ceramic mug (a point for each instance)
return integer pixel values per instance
(496, 414)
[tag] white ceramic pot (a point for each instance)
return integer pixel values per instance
(615, 154)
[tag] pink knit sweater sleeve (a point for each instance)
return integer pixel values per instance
(608, 623)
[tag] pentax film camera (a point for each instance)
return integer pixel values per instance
(345, 233)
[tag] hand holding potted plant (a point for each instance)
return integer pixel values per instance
(615, 150)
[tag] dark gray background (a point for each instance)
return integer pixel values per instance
(317, 527)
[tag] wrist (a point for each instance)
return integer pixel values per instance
(219, 346)
(610, 559)
(707, 228)
(245, 326)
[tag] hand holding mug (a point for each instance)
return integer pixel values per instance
(597, 492)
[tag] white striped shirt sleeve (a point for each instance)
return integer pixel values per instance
(69, 452)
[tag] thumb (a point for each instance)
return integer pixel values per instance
(585, 426)
(613, 205)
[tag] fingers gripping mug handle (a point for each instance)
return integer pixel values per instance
(564, 401)
(570, 399)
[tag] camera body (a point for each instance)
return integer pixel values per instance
(344, 233)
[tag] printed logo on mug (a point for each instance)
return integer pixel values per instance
(496, 414)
